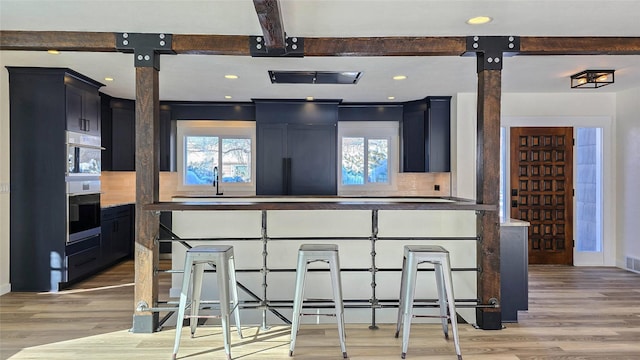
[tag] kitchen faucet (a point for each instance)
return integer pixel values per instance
(216, 181)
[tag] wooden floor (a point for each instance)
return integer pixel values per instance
(574, 313)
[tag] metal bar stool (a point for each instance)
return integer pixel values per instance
(221, 256)
(415, 255)
(309, 253)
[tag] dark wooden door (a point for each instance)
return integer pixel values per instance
(542, 191)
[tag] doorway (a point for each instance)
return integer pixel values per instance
(541, 190)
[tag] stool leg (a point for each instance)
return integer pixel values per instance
(198, 274)
(334, 266)
(448, 285)
(222, 269)
(234, 294)
(442, 298)
(183, 303)
(301, 271)
(409, 293)
(403, 280)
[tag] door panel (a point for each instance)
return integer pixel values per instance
(542, 191)
(312, 150)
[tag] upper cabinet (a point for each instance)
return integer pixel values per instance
(119, 135)
(296, 148)
(426, 132)
(82, 105)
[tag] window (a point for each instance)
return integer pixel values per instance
(225, 146)
(367, 154)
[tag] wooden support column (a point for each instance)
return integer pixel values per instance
(489, 52)
(147, 192)
(488, 189)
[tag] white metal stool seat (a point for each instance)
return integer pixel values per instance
(197, 257)
(415, 255)
(309, 253)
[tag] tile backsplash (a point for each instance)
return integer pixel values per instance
(119, 187)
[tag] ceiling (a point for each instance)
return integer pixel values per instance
(201, 77)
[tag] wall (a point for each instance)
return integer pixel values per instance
(529, 109)
(628, 159)
(4, 182)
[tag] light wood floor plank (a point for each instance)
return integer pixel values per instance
(574, 313)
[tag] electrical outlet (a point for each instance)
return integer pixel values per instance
(436, 187)
(4, 188)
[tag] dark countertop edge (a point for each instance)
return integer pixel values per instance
(457, 204)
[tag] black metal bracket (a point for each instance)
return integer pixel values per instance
(145, 47)
(294, 47)
(489, 50)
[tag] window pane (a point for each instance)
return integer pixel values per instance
(377, 161)
(352, 160)
(236, 160)
(588, 198)
(201, 153)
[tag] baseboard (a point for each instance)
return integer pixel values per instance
(5, 288)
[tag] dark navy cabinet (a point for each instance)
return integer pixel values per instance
(117, 233)
(296, 148)
(82, 106)
(119, 136)
(39, 116)
(426, 135)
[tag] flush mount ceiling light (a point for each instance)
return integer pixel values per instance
(479, 20)
(231, 76)
(399, 77)
(314, 77)
(108, 79)
(591, 79)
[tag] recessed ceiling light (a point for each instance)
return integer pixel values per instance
(227, 96)
(53, 52)
(479, 20)
(391, 97)
(231, 76)
(399, 77)
(108, 79)
(309, 98)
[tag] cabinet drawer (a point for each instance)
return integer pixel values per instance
(83, 263)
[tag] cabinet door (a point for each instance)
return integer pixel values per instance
(74, 109)
(272, 152)
(123, 147)
(121, 245)
(106, 254)
(413, 142)
(438, 135)
(91, 112)
(167, 141)
(312, 150)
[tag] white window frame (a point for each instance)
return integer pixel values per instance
(223, 129)
(389, 130)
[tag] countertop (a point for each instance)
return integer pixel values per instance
(317, 203)
(513, 222)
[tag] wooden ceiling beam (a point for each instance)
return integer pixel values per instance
(211, 44)
(385, 46)
(270, 19)
(320, 46)
(58, 40)
(530, 45)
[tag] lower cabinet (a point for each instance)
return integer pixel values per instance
(82, 258)
(117, 234)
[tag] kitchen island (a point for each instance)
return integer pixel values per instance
(371, 232)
